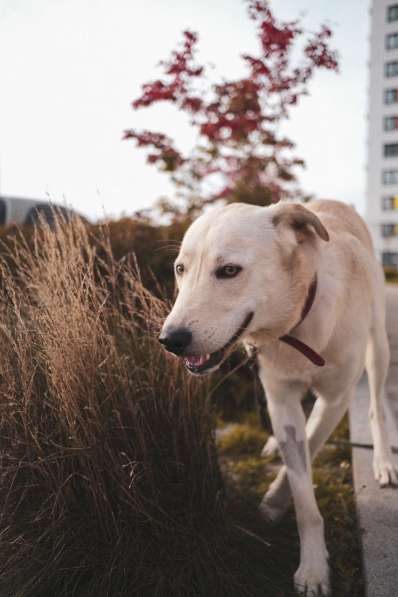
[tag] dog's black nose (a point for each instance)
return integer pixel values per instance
(176, 340)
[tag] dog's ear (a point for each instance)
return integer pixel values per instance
(296, 224)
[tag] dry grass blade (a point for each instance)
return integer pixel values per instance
(109, 482)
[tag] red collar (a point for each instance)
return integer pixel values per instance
(308, 352)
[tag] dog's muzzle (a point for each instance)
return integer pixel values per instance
(178, 340)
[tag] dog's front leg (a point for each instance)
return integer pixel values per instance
(288, 423)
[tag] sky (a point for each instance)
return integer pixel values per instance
(69, 70)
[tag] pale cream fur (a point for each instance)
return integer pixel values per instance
(281, 250)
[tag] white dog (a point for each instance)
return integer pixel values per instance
(302, 285)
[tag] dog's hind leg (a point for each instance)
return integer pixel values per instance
(270, 448)
(377, 362)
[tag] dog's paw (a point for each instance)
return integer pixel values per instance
(271, 447)
(312, 578)
(272, 513)
(385, 472)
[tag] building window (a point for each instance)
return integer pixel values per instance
(3, 212)
(390, 123)
(390, 176)
(389, 230)
(391, 96)
(391, 41)
(392, 13)
(391, 68)
(389, 259)
(390, 150)
(390, 203)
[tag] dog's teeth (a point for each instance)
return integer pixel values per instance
(195, 361)
(199, 361)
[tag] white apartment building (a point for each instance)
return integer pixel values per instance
(382, 159)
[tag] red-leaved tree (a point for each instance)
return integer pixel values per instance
(240, 156)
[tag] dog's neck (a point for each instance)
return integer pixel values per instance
(306, 350)
(309, 301)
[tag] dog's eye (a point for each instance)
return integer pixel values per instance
(179, 269)
(228, 271)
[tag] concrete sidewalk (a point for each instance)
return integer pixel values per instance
(378, 508)
(392, 331)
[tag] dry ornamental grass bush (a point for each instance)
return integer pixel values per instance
(154, 247)
(109, 482)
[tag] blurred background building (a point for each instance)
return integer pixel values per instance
(16, 210)
(382, 162)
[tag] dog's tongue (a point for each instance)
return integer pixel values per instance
(197, 361)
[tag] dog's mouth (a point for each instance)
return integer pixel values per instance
(206, 363)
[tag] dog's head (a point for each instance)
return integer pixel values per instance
(241, 269)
